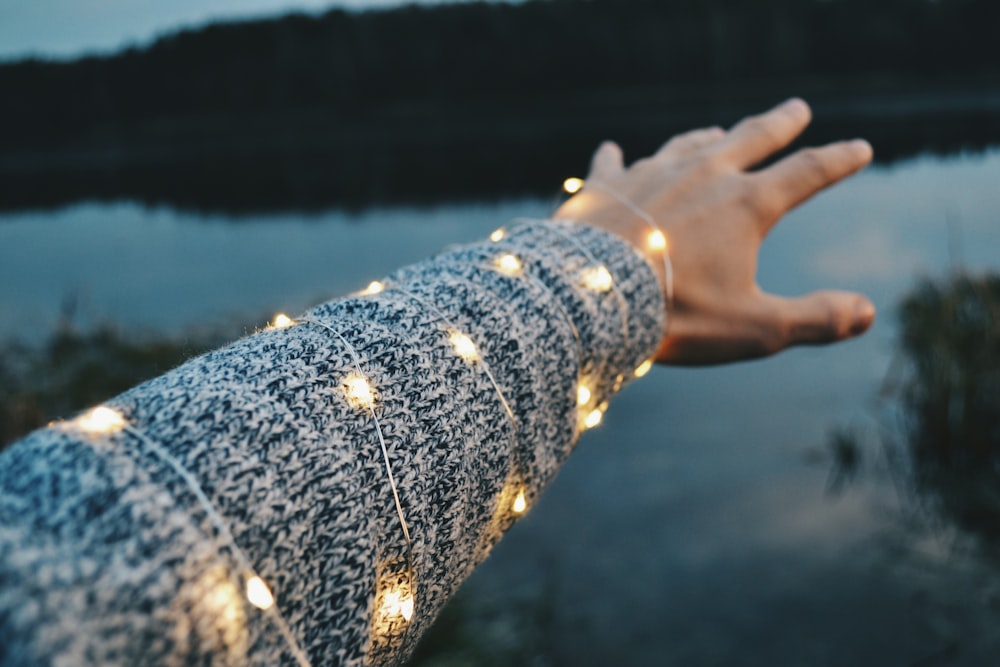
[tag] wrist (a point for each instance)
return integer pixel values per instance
(604, 209)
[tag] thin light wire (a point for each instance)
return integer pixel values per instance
(591, 183)
(223, 529)
(378, 429)
(519, 456)
(626, 333)
(668, 269)
(482, 361)
(562, 309)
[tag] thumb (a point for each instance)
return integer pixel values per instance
(824, 317)
(608, 162)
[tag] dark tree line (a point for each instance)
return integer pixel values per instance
(288, 86)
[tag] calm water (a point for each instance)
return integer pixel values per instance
(694, 527)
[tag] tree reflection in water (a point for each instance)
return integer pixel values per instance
(939, 443)
(948, 391)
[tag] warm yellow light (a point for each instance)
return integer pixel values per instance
(397, 603)
(593, 418)
(464, 346)
(573, 185)
(374, 287)
(598, 279)
(221, 603)
(498, 235)
(281, 321)
(359, 391)
(657, 240)
(259, 594)
(101, 419)
(582, 395)
(643, 368)
(508, 264)
(520, 503)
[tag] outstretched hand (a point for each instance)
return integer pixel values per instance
(715, 214)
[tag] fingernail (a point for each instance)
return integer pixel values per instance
(862, 145)
(864, 315)
(796, 104)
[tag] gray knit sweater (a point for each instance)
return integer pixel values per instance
(313, 494)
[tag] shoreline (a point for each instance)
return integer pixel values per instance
(422, 152)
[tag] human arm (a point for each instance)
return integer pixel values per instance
(109, 556)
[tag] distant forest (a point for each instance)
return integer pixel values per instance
(309, 111)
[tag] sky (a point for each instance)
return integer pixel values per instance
(67, 28)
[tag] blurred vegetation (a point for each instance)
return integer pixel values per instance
(938, 441)
(74, 370)
(941, 434)
(419, 103)
(475, 630)
(949, 393)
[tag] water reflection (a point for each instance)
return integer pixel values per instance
(937, 442)
(940, 429)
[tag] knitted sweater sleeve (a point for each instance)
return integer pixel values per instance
(313, 494)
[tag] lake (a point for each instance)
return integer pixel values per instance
(696, 526)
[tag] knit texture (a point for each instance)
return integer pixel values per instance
(109, 554)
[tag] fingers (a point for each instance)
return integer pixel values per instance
(755, 138)
(822, 317)
(690, 142)
(607, 163)
(801, 175)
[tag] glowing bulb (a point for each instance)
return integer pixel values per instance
(520, 503)
(657, 240)
(593, 418)
(258, 593)
(464, 346)
(582, 395)
(508, 264)
(598, 279)
(397, 603)
(281, 321)
(101, 419)
(374, 287)
(359, 391)
(643, 368)
(498, 235)
(573, 185)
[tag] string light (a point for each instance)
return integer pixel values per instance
(397, 603)
(464, 346)
(359, 391)
(572, 185)
(281, 321)
(593, 418)
(520, 503)
(509, 264)
(598, 279)
(215, 592)
(101, 419)
(643, 368)
(259, 594)
(657, 240)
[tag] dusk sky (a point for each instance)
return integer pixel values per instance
(66, 28)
